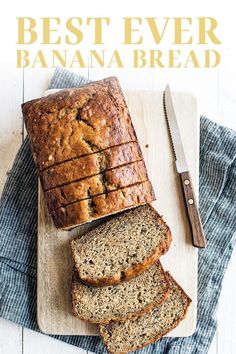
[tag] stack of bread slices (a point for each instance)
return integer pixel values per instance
(119, 283)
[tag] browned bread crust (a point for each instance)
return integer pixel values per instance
(187, 302)
(116, 178)
(76, 122)
(102, 205)
(90, 165)
(134, 290)
(124, 273)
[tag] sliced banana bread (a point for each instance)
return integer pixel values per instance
(78, 121)
(120, 302)
(122, 247)
(123, 337)
(102, 205)
(116, 178)
(90, 165)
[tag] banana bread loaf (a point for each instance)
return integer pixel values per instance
(76, 122)
(122, 247)
(102, 205)
(90, 165)
(116, 178)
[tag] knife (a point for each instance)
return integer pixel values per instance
(198, 237)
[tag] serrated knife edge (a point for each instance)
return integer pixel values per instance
(172, 123)
(165, 113)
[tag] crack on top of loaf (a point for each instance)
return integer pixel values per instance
(104, 182)
(103, 161)
(79, 118)
(93, 147)
(92, 207)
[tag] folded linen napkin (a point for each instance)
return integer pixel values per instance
(217, 197)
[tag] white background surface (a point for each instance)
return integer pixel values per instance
(214, 88)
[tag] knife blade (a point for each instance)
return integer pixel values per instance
(198, 237)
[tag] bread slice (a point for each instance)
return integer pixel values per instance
(122, 247)
(90, 165)
(114, 179)
(123, 337)
(120, 302)
(103, 205)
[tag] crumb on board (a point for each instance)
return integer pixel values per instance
(147, 146)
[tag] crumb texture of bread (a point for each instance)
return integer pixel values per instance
(114, 179)
(76, 122)
(128, 336)
(122, 301)
(90, 165)
(122, 247)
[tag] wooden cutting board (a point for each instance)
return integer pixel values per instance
(54, 259)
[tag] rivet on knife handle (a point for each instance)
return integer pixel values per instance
(192, 211)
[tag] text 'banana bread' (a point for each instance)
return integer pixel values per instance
(128, 336)
(120, 302)
(122, 247)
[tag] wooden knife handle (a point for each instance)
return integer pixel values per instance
(198, 237)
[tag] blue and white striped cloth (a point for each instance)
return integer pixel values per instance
(18, 234)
